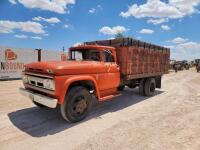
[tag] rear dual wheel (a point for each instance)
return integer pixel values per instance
(150, 87)
(147, 87)
(141, 87)
(76, 105)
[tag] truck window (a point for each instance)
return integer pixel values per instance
(77, 55)
(85, 54)
(108, 56)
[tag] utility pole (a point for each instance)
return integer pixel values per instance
(39, 54)
(63, 49)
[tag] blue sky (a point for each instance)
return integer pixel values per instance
(52, 24)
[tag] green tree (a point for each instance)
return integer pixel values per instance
(119, 35)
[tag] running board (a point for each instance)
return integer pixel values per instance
(109, 97)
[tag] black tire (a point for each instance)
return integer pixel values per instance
(39, 105)
(76, 105)
(121, 88)
(141, 87)
(150, 86)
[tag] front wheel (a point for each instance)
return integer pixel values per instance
(76, 105)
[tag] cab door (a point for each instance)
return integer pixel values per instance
(111, 69)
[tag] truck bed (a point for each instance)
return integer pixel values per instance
(138, 59)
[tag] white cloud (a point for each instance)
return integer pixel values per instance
(156, 9)
(169, 46)
(165, 27)
(12, 2)
(111, 38)
(36, 37)
(146, 31)
(183, 48)
(112, 30)
(7, 26)
(77, 44)
(92, 10)
(49, 20)
(46, 34)
(186, 7)
(188, 50)
(157, 21)
(99, 6)
(66, 26)
(58, 6)
(20, 36)
(95, 9)
(190, 45)
(178, 40)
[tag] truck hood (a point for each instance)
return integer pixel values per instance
(66, 67)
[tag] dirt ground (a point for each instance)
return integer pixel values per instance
(167, 121)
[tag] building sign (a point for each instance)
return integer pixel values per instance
(12, 61)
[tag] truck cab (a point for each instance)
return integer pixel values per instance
(91, 69)
(104, 69)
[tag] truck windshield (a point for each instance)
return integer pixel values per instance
(85, 54)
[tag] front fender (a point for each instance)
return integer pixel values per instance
(66, 82)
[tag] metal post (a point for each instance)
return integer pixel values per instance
(39, 54)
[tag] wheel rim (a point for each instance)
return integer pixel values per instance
(79, 106)
(152, 88)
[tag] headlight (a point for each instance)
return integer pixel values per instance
(49, 84)
(24, 69)
(25, 79)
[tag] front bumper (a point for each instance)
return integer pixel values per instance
(44, 100)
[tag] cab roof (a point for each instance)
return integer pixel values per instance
(92, 46)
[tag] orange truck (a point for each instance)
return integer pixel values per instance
(99, 68)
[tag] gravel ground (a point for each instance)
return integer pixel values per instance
(168, 120)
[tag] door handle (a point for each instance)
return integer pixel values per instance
(108, 67)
